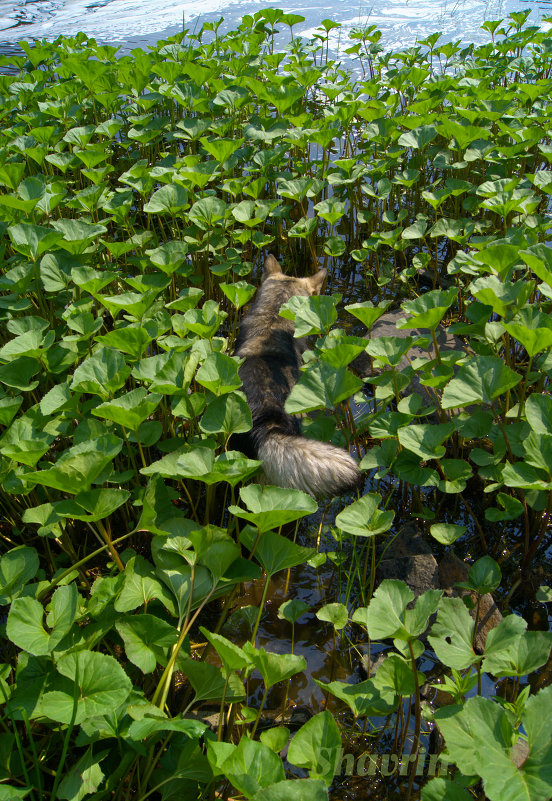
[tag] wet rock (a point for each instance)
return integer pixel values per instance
(370, 664)
(409, 558)
(386, 326)
(451, 571)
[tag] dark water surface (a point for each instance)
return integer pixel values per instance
(135, 23)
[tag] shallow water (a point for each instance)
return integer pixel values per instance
(133, 23)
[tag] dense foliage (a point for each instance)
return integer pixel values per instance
(137, 196)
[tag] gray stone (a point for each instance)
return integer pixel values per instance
(409, 558)
(386, 326)
(451, 571)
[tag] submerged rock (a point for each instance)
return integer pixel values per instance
(386, 326)
(409, 558)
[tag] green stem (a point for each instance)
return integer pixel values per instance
(263, 701)
(62, 576)
(261, 607)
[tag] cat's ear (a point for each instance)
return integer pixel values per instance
(315, 282)
(271, 267)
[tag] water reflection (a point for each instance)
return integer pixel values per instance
(142, 22)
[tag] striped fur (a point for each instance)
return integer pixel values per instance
(271, 368)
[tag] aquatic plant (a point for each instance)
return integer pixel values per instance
(138, 197)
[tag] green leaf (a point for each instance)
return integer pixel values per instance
(481, 380)
(252, 766)
(439, 789)
(538, 411)
(19, 372)
(84, 777)
(451, 635)
(428, 310)
(101, 374)
(479, 740)
(511, 509)
(539, 259)
(463, 134)
(207, 212)
(77, 234)
(274, 667)
(499, 258)
(334, 613)
(10, 793)
(238, 293)
(141, 586)
(483, 577)
(219, 373)
(205, 321)
(144, 727)
(93, 505)
(209, 683)
(9, 408)
(33, 240)
(229, 414)
(502, 297)
(394, 676)
(78, 467)
(272, 507)
(201, 464)
(513, 651)
(366, 312)
(91, 280)
(231, 655)
(447, 533)
(385, 617)
(364, 699)
(134, 303)
(524, 476)
(425, 439)
(312, 315)
(132, 339)
(292, 610)
(129, 410)
(276, 738)
(339, 350)
(17, 567)
(317, 747)
(96, 681)
(215, 548)
(169, 256)
(362, 518)
(25, 626)
(419, 137)
(390, 350)
(147, 640)
(273, 551)
(167, 200)
(532, 328)
(321, 387)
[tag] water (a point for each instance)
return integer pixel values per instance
(134, 23)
